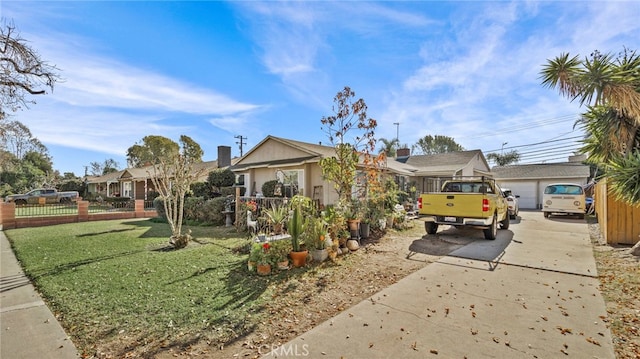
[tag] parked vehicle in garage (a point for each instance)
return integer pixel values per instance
(512, 203)
(566, 198)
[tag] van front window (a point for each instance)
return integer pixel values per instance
(563, 189)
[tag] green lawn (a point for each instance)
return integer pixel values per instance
(118, 279)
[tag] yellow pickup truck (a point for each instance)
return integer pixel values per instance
(474, 202)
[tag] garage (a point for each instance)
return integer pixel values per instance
(529, 181)
(525, 189)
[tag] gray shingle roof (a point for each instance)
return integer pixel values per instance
(540, 171)
(449, 159)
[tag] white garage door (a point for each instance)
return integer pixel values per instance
(527, 190)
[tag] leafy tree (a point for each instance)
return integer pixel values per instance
(172, 172)
(430, 145)
(22, 71)
(389, 146)
(503, 159)
(610, 88)
(16, 138)
(348, 123)
(108, 166)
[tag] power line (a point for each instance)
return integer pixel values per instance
(539, 143)
(526, 126)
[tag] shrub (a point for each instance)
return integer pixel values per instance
(201, 189)
(221, 178)
(201, 211)
(269, 187)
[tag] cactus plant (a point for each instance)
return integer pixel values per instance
(295, 227)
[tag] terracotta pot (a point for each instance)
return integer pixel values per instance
(284, 265)
(353, 224)
(299, 259)
(264, 269)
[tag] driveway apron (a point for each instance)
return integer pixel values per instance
(531, 293)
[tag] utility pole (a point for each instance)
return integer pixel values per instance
(397, 133)
(240, 142)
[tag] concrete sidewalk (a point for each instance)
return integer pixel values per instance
(531, 293)
(28, 328)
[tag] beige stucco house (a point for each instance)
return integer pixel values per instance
(296, 164)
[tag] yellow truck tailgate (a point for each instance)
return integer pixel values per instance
(468, 205)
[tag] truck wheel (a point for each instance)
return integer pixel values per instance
(492, 231)
(505, 222)
(65, 200)
(431, 227)
(546, 214)
(21, 202)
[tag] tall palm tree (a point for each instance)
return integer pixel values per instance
(610, 89)
(389, 146)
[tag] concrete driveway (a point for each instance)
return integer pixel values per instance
(531, 293)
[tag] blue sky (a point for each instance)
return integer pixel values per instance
(214, 70)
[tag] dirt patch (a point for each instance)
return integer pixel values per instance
(303, 302)
(619, 274)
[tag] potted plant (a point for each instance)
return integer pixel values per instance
(333, 249)
(264, 258)
(254, 256)
(280, 253)
(277, 216)
(296, 228)
(316, 237)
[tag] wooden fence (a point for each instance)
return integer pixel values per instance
(619, 222)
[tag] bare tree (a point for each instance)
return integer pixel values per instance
(22, 71)
(172, 170)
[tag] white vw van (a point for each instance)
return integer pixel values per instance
(563, 198)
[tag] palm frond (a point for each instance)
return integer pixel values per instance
(624, 174)
(561, 73)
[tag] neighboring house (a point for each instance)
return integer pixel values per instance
(529, 181)
(431, 170)
(296, 165)
(106, 185)
(136, 183)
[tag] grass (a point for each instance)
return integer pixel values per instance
(117, 281)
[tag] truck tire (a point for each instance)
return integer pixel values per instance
(546, 214)
(492, 231)
(431, 227)
(65, 200)
(505, 223)
(20, 202)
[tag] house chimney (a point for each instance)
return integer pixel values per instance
(224, 156)
(403, 152)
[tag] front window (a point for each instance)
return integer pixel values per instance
(291, 181)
